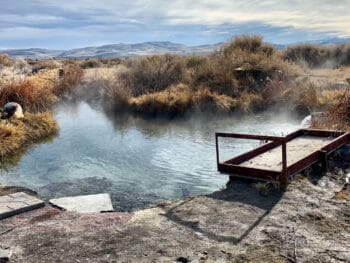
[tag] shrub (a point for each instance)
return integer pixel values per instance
(244, 64)
(90, 63)
(69, 77)
(317, 56)
(45, 64)
(18, 133)
(6, 61)
(339, 113)
(179, 99)
(311, 55)
(27, 94)
(155, 73)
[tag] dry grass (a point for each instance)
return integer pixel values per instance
(39, 92)
(34, 93)
(154, 73)
(339, 114)
(5, 60)
(245, 74)
(16, 134)
(233, 78)
(179, 99)
(69, 79)
(318, 56)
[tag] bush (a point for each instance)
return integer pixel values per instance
(90, 63)
(45, 64)
(155, 73)
(311, 55)
(244, 64)
(28, 95)
(18, 133)
(179, 99)
(339, 113)
(317, 56)
(6, 61)
(69, 77)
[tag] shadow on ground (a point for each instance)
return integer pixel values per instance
(213, 215)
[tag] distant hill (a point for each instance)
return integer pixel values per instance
(33, 53)
(136, 50)
(113, 51)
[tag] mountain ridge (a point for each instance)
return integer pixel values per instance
(121, 50)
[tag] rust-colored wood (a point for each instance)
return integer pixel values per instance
(284, 173)
(335, 144)
(217, 150)
(233, 169)
(249, 136)
(232, 166)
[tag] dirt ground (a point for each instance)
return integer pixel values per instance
(310, 222)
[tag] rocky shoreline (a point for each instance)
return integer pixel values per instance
(243, 223)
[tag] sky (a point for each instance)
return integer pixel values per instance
(67, 24)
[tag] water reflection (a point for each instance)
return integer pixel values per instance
(137, 160)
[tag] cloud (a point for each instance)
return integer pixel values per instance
(88, 22)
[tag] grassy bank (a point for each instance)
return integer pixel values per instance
(37, 87)
(244, 75)
(17, 134)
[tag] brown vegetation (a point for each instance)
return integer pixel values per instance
(236, 77)
(39, 92)
(5, 60)
(318, 56)
(339, 114)
(16, 134)
(245, 74)
(69, 78)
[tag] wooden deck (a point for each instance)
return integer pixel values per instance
(297, 149)
(282, 156)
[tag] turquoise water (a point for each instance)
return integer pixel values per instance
(138, 161)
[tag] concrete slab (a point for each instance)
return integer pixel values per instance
(85, 203)
(17, 203)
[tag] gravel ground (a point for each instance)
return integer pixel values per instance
(246, 222)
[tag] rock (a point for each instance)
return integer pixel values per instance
(16, 203)
(12, 109)
(85, 203)
(182, 259)
(4, 255)
(347, 178)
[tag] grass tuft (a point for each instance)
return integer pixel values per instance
(16, 134)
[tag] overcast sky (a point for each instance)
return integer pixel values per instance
(66, 24)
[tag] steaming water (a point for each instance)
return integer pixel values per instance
(137, 161)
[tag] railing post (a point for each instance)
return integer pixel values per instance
(284, 173)
(217, 150)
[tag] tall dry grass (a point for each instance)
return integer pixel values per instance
(154, 73)
(41, 91)
(69, 78)
(33, 93)
(15, 134)
(319, 56)
(338, 116)
(5, 60)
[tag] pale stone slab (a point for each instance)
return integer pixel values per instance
(17, 203)
(4, 255)
(85, 203)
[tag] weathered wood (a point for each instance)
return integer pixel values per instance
(299, 149)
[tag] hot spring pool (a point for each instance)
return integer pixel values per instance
(138, 161)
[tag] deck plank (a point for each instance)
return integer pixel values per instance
(297, 149)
